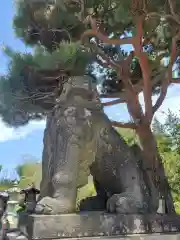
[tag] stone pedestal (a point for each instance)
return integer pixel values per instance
(100, 224)
(175, 236)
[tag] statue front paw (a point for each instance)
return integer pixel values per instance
(45, 206)
(125, 203)
(48, 205)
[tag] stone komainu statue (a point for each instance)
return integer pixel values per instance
(79, 139)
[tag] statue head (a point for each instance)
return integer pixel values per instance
(81, 102)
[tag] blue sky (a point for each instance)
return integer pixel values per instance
(14, 144)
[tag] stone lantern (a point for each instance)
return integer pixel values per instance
(4, 225)
(4, 197)
(30, 198)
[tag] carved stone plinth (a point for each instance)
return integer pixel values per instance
(99, 224)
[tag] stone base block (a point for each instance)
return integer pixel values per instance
(100, 224)
(175, 236)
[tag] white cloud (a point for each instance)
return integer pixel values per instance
(7, 133)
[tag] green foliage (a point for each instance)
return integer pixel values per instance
(45, 15)
(67, 16)
(19, 209)
(177, 207)
(172, 125)
(20, 98)
(128, 135)
(165, 144)
(69, 56)
(172, 167)
(29, 172)
(168, 144)
(157, 127)
(13, 95)
(169, 131)
(84, 192)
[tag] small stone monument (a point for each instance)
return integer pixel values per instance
(14, 194)
(4, 196)
(30, 194)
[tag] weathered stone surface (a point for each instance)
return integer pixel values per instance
(68, 139)
(78, 133)
(118, 175)
(15, 234)
(141, 237)
(98, 224)
(174, 236)
(155, 236)
(130, 237)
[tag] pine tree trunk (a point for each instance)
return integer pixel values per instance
(154, 166)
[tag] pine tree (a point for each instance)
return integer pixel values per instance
(54, 29)
(73, 37)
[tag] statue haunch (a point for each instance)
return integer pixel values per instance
(78, 139)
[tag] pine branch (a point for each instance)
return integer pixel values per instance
(108, 62)
(159, 15)
(113, 95)
(175, 80)
(129, 125)
(111, 103)
(145, 68)
(94, 32)
(134, 106)
(137, 87)
(123, 70)
(124, 65)
(172, 10)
